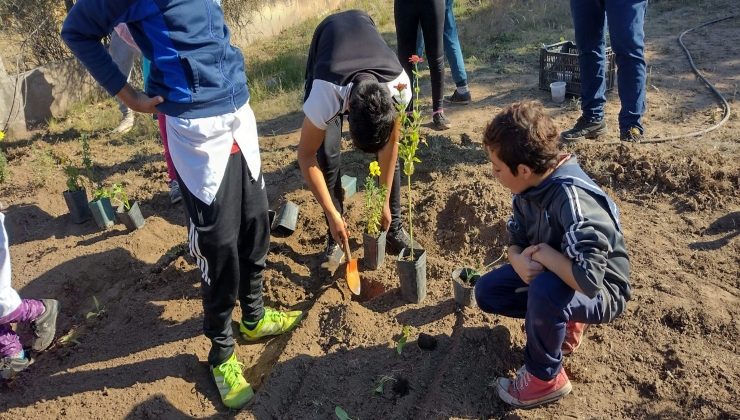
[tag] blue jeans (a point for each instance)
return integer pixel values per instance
(626, 19)
(451, 44)
(546, 305)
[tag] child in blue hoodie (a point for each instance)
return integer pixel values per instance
(568, 262)
(197, 81)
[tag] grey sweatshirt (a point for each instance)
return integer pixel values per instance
(569, 212)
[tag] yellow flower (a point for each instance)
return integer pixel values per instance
(2, 135)
(374, 168)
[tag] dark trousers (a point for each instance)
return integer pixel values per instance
(329, 157)
(626, 19)
(430, 14)
(546, 305)
(229, 240)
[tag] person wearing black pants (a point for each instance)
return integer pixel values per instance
(430, 14)
(231, 260)
(351, 71)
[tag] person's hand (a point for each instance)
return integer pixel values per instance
(138, 101)
(338, 228)
(385, 218)
(526, 267)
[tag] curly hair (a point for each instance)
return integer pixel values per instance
(371, 115)
(523, 133)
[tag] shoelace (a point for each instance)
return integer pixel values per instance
(521, 381)
(232, 370)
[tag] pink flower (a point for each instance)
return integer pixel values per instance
(401, 86)
(415, 59)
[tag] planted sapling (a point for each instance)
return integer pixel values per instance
(119, 197)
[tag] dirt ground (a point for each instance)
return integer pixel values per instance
(141, 353)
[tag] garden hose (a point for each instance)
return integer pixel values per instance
(725, 104)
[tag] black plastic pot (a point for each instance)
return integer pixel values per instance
(132, 218)
(463, 290)
(374, 248)
(413, 275)
(286, 219)
(102, 212)
(77, 205)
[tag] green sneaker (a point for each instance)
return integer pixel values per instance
(234, 389)
(273, 323)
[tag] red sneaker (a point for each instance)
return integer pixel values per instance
(573, 336)
(527, 391)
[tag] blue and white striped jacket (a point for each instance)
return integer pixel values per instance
(194, 67)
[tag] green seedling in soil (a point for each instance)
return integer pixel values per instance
(98, 312)
(341, 414)
(70, 337)
(87, 158)
(381, 384)
(405, 334)
(119, 197)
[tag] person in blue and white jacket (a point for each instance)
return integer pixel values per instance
(569, 265)
(198, 81)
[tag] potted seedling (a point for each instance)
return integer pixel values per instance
(128, 212)
(412, 263)
(101, 208)
(76, 196)
(464, 279)
(463, 286)
(373, 238)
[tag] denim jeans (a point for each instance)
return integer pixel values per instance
(546, 304)
(451, 44)
(626, 19)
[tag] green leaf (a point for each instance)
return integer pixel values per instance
(90, 315)
(405, 333)
(341, 414)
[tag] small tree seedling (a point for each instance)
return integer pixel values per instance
(73, 178)
(98, 312)
(119, 197)
(341, 414)
(405, 334)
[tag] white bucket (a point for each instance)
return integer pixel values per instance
(557, 89)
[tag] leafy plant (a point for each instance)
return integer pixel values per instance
(405, 335)
(374, 200)
(70, 337)
(98, 312)
(341, 414)
(73, 178)
(101, 192)
(410, 139)
(119, 197)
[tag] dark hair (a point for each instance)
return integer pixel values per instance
(523, 133)
(371, 115)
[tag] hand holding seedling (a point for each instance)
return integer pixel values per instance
(523, 264)
(139, 101)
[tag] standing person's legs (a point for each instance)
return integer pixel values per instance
(214, 234)
(626, 19)
(452, 49)
(589, 22)
(432, 17)
(253, 243)
(407, 19)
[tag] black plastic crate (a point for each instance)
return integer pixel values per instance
(559, 63)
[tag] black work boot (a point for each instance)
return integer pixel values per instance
(459, 98)
(632, 135)
(440, 121)
(45, 326)
(584, 129)
(398, 240)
